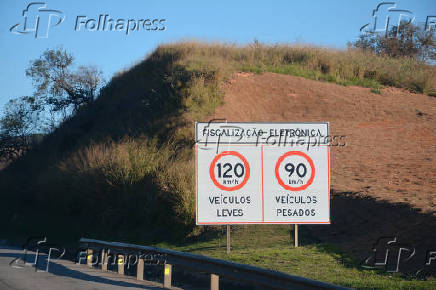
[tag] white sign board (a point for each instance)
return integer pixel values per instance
(262, 173)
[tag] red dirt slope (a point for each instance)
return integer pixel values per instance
(383, 181)
(390, 138)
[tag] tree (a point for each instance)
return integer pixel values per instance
(17, 125)
(405, 40)
(427, 45)
(58, 89)
(58, 86)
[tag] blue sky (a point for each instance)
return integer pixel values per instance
(325, 23)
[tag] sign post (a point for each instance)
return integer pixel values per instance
(296, 235)
(228, 238)
(262, 173)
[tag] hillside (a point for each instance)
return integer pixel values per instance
(389, 137)
(121, 169)
(383, 180)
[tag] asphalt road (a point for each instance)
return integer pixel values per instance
(63, 274)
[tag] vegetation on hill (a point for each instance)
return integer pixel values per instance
(404, 40)
(270, 247)
(123, 165)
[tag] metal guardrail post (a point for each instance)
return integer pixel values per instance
(214, 282)
(140, 269)
(89, 256)
(104, 260)
(120, 262)
(167, 275)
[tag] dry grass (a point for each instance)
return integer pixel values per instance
(126, 162)
(122, 163)
(343, 67)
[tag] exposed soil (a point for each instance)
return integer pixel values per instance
(389, 157)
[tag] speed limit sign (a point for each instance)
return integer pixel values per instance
(228, 189)
(262, 173)
(229, 170)
(296, 184)
(292, 171)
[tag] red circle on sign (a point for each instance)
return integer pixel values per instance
(212, 171)
(305, 156)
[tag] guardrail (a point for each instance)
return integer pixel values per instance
(197, 263)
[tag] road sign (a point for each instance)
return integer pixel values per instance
(262, 173)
